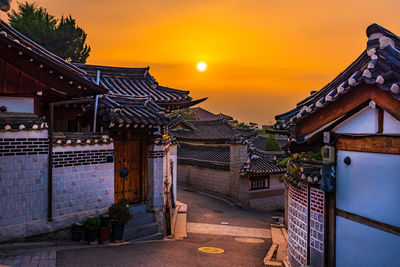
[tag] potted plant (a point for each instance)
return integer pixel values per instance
(91, 226)
(104, 231)
(120, 215)
(77, 232)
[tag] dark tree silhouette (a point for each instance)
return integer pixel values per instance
(60, 36)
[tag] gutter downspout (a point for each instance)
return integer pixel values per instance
(96, 102)
(50, 167)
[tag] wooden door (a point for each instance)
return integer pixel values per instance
(128, 158)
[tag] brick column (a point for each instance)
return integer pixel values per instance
(239, 185)
(155, 176)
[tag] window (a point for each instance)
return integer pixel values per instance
(259, 182)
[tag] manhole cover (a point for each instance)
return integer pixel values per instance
(249, 240)
(211, 250)
(218, 211)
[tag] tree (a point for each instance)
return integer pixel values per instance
(60, 36)
(272, 144)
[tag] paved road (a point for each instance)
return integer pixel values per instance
(205, 209)
(204, 212)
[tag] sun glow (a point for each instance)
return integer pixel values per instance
(201, 66)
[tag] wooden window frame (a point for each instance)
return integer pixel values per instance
(266, 183)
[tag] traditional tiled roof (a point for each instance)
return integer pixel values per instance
(130, 112)
(218, 157)
(311, 171)
(82, 139)
(379, 64)
(214, 157)
(202, 114)
(212, 130)
(53, 65)
(138, 82)
(261, 162)
(17, 121)
(178, 119)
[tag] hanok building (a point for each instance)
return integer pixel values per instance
(65, 138)
(344, 211)
(202, 114)
(215, 156)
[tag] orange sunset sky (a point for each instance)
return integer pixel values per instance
(263, 56)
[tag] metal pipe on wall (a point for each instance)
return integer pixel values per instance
(50, 167)
(96, 102)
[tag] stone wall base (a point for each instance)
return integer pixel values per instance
(268, 203)
(24, 230)
(159, 217)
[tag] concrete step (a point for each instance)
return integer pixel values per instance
(140, 231)
(139, 219)
(137, 208)
(156, 236)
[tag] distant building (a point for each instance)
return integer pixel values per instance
(215, 156)
(344, 211)
(202, 114)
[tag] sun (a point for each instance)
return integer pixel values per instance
(201, 66)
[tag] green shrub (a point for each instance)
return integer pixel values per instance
(92, 224)
(272, 144)
(119, 212)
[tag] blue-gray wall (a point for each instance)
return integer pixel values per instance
(369, 187)
(83, 184)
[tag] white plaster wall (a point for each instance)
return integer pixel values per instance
(365, 121)
(83, 147)
(274, 181)
(369, 186)
(390, 124)
(24, 134)
(17, 104)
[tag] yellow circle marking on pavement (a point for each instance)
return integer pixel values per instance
(211, 250)
(249, 240)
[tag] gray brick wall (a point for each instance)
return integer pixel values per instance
(78, 191)
(204, 178)
(23, 189)
(82, 188)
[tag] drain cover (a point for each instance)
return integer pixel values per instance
(249, 240)
(211, 250)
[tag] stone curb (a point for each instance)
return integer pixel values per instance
(277, 253)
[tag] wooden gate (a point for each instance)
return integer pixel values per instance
(129, 181)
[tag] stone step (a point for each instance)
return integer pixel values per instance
(156, 236)
(140, 231)
(137, 208)
(139, 219)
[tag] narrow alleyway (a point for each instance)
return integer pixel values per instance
(241, 234)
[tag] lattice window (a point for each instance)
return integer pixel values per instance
(259, 183)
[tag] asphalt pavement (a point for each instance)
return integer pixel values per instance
(204, 211)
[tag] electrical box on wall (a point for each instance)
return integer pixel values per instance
(328, 154)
